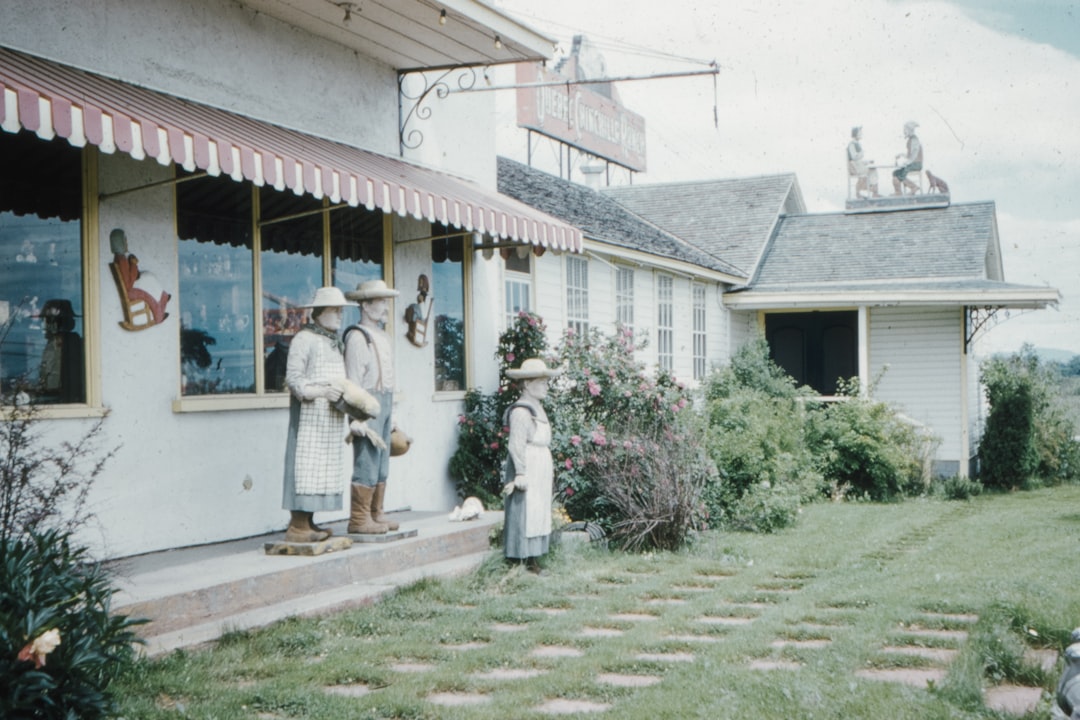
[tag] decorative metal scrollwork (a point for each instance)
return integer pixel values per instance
(977, 319)
(415, 88)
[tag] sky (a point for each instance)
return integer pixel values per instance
(993, 84)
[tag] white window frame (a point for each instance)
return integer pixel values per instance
(665, 322)
(700, 332)
(577, 294)
(517, 291)
(624, 297)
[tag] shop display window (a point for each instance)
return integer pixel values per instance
(217, 348)
(232, 312)
(448, 288)
(42, 356)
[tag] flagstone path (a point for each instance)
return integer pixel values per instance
(916, 652)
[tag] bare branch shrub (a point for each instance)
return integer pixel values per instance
(653, 477)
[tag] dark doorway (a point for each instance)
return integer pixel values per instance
(815, 348)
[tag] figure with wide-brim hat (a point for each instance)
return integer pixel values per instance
(528, 475)
(369, 363)
(314, 452)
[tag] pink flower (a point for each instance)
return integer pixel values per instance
(598, 438)
(510, 357)
(569, 464)
(569, 490)
(682, 402)
(461, 419)
(627, 444)
(594, 389)
(674, 408)
(495, 445)
(575, 440)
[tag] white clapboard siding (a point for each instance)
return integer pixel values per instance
(920, 347)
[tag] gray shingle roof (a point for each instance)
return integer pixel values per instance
(599, 217)
(839, 249)
(730, 219)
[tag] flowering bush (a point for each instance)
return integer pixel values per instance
(612, 426)
(60, 648)
(476, 465)
(600, 408)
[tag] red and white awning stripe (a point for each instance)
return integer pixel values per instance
(54, 100)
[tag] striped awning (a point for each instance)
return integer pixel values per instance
(55, 100)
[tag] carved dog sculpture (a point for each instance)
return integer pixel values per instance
(937, 184)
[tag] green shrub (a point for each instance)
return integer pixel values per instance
(864, 446)
(48, 584)
(757, 439)
(1029, 437)
(764, 508)
(958, 488)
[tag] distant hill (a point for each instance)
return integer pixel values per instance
(1055, 355)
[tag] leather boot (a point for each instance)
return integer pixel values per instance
(360, 522)
(377, 507)
(300, 529)
(320, 528)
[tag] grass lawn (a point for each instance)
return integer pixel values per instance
(790, 625)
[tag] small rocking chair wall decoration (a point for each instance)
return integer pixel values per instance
(142, 299)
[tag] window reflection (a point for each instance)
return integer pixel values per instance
(217, 346)
(41, 270)
(291, 261)
(356, 243)
(448, 289)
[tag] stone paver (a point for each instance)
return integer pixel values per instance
(665, 657)
(725, 620)
(564, 706)
(957, 635)
(810, 644)
(941, 655)
(620, 680)
(454, 699)
(633, 617)
(694, 638)
(1041, 657)
(472, 645)
(510, 674)
(600, 632)
(915, 677)
(665, 601)
(763, 664)
(1013, 699)
(508, 627)
(357, 690)
(406, 667)
(556, 651)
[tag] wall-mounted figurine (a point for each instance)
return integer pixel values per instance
(416, 316)
(142, 298)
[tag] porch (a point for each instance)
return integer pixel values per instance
(192, 596)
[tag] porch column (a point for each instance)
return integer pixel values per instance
(864, 350)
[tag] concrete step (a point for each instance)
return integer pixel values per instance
(193, 595)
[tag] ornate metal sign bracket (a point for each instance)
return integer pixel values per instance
(414, 90)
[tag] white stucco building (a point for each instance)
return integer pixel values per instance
(245, 153)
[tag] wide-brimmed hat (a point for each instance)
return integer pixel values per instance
(531, 369)
(371, 290)
(910, 125)
(328, 297)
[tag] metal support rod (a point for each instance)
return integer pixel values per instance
(304, 213)
(713, 70)
(159, 183)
